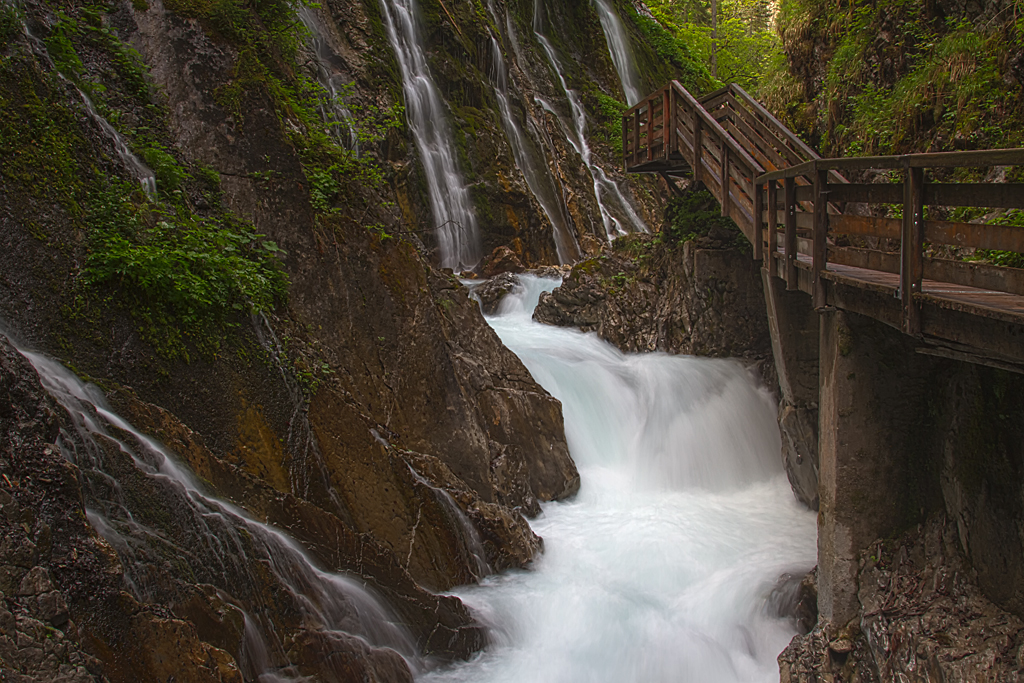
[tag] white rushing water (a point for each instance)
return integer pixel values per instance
(535, 171)
(620, 51)
(659, 571)
(454, 221)
(604, 187)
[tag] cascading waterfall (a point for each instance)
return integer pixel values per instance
(577, 138)
(538, 179)
(220, 543)
(620, 51)
(661, 569)
(143, 173)
(455, 223)
(334, 112)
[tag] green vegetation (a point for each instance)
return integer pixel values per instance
(181, 276)
(697, 214)
(184, 278)
(745, 44)
(899, 77)
(1010, 259)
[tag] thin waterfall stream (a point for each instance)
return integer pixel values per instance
(454, 221)
(266, 572)
(661, 569)
(620, 51)
(604, 188)
(535, 171)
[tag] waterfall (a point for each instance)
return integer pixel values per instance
(259, 569)
(621, 53)
(661, 569)
(452, 211)
(143, 173)
(577, 138)
(328, 74)
(538, 179)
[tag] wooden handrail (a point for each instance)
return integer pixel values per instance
(972, 159)
(724, 138)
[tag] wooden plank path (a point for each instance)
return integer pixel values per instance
(788, 200)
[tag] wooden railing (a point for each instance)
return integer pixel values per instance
(800, 208)
(912, 231)
(670, 128)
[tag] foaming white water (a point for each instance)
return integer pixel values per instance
(660, 568)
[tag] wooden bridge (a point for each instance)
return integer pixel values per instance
(822, 235)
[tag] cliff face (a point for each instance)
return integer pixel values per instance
(898, 77)
(216, 211)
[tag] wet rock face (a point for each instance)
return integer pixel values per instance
(491, 293)
(923, 619)
(644, 297)
(63, 615)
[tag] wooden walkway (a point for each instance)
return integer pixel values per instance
(789, 201)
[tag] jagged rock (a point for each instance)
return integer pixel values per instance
(923, 619)
(502, 260)
(491, 293)
(644, 297)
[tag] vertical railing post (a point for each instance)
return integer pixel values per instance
(650, 129)
(773, 227)
(664, 122)
(671, 121)
(698, 148)
(724, 181)
(758, 218)
(819, 250)
(789, 185)
(636, 135)
(625, 144)
(912, 243)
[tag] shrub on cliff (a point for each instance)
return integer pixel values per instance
(695, 215)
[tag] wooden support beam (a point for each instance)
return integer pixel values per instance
(698, 147)
(636, 136)
(670, 121)
(758, 222)
(724, 182)
(912, 258)
(789, 185)
(773, 227)
(650, 130)
(819, 252)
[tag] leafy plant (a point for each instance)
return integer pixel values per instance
(180, 275)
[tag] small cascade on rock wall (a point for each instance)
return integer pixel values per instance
(308, 469)
(621, 52)
(535, 171)
(454, 220)
(604, 187)
(255, 569)
(143, 173)
(663, 567)
(328, 74)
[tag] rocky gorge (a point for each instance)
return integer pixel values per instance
(256, 427)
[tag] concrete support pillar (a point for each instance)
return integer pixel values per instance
(873, 442)
(793, 324)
